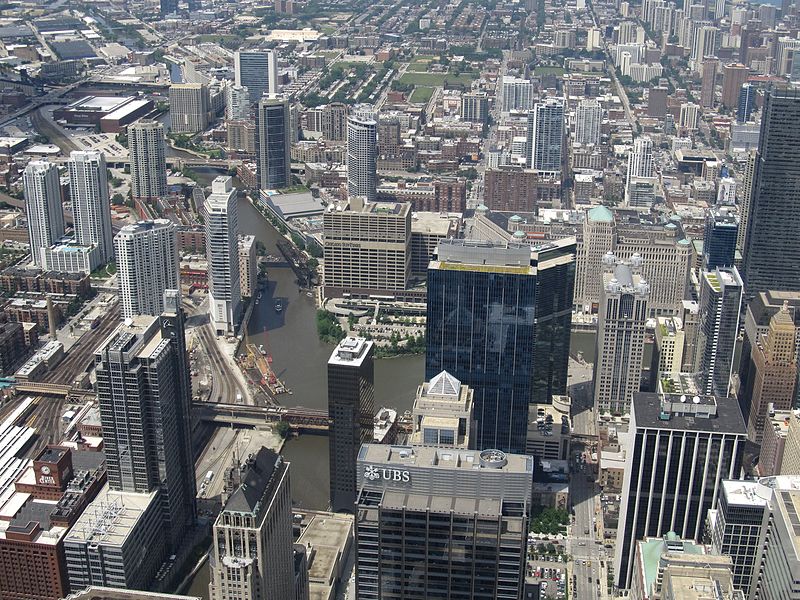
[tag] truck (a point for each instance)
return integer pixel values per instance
(209, 475)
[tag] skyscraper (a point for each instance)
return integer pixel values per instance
(257, 70)
(222, 251)
(252, 553)
(588, 119)
(719, 238)
(747, 102)
(516, 93)
(733, 77)
(148, 160)
(498, 319)
(362, 128)
(639, 184)
(475, 107)
(238, 103)
(273, 144)
(144, 397)
(546, 135)
(441, 523)
(42, 188)
(91, 209)
(720, 304)
(189, 107)
(620, 335)
(771, 259)
(147, 264)
(709, 69)
(774, 362)
(681, 448)
(351, 407)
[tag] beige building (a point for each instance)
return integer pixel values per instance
(189, 107)
(773, 359)
(790, 463)
(367, 248)
(427, 230)
(669, 345)
(549, 429)
(442, 413)
(248, 268)
(773, 443)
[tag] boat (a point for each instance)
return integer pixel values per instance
(278, 306)
(261, 349)
(384, 431)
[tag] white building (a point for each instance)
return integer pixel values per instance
(588, 119)
(690, 115)
(248, 264)
(222, 250)
(43, 206)
(91, 208)
(148, 160)
(238, 103)
(546, 136)
(189, 107)
(515, 94)
(362, 136)
(72, 257)
(147, 264)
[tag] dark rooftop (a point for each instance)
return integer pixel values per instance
(73, 50)
(52, 454)
(34, 511)
(725, 414)
(257, 474)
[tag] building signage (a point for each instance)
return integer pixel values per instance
(375, 474)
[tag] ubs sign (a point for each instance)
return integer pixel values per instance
(374, 474)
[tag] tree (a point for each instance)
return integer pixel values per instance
(117, 199)
(283, 429)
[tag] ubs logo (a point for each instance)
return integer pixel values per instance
(373, 474)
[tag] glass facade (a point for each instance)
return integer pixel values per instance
(506, 335)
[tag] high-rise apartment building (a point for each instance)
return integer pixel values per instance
(774, 368)
(252, 553)
(144, 394)
(734, 76)
(771, 259)
(668, 350)
(588, 119)
(498, 319)
(734, 528)
(620, 338)
(516, 94)
(334, 121)
(747, 103)
(222, 251)
(273, 143)
(91, 209)
(42, 188)
(189, 106)
(441, 522)
(367, 247)
(719, 238)
(148, 160)
(362, 128)
(475, 107)
(682, 447)
(257, 70)
(640, 180)
(709, 69)
(147, 264)
(351, 407)
(237, 103)
(546, 136)
(720, 304)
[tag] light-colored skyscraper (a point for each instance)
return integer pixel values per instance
(640, 161)
(189, 106)
(238, 103)
(147, 265)
(362, 134)
(620, 337)
(148, 160)
(273, 141)
(720, 304)
(257, 70)
(248, 264)
(588, 118)
(222, 250)
(91, 209)
(43, 204)
(515, 94)
(710, 68)
(252, 552)
(546, 135)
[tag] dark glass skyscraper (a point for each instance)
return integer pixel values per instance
(273, 137)
(747, 102)
(719, 238)
(771, 258)
(498, 319)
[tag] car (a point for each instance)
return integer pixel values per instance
(544, 585)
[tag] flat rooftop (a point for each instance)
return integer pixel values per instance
(351, 352)
(745, 493)
(431, 223)
(446, 458)
(668, 412)
(329, 535)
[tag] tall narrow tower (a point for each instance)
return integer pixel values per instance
(362, 131)
(43, 205)
(91, 209)
(273, 141)
(222, 250)
(148, 160)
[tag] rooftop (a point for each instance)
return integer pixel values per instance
(652, 549)
(257, 475)
(684, 413)
(445, 458)
(351, 352)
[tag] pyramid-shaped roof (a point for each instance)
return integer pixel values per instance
(444, 384)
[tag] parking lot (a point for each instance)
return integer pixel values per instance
(551, 575)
